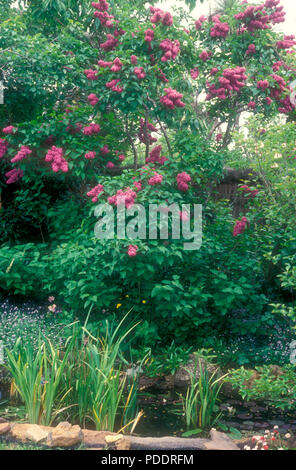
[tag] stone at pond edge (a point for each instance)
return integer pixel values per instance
(4, 428)
(64, 436)
(220, 441)
(37, 434)
(121, 442)
(183, 376)
(95, 439)
(18, 431)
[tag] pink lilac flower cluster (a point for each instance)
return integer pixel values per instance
(93, 99)
(104, 150)
(92, 129)
(14, 175)
(94, 192)
(110, 165)
(138, 185)
(204, 56)
(182, 180)
(240, 226)
(161, 16)
(155, 179)
(280, 87)
(256, 17)
(104, 17)
(278, 16)
(55, 156)
(232, 80)
(250, 192)
(144, 136)
(252, 105)
(286, 105)
(101, 5)
(126, 197)
(172, 99)
(140, 73)
(149, 35)
(262, 85)
(121, 157)
(90, 155)
(170, 49)
(134, 59)
(132, 250)
(104, 64)
(194, 73)
(91, 74)
(199, 22)
(110, 44)
(3, 147)
(287, 42)
(277, 65)
(9, 130)
(22, 153)
(154, 156)
(117, 65)
(219, 30)
(113, 85)
(251, 49)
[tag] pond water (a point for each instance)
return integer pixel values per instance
(163, 415)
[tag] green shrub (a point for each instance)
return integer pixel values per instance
(270, 384)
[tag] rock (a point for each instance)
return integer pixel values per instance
(123, 444)
(111, 439)
(37, 433)
(95, 439)
(19, 431)
(159, 383)
(64, 435)
(183, 375)
(220, 441)
(4, 428)
(166, 443)
(247, 425)
(276, 422)
(64, 425)
(245, 416)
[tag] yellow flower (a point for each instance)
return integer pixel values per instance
(118, 305)
(143, 301)
(127, 295)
